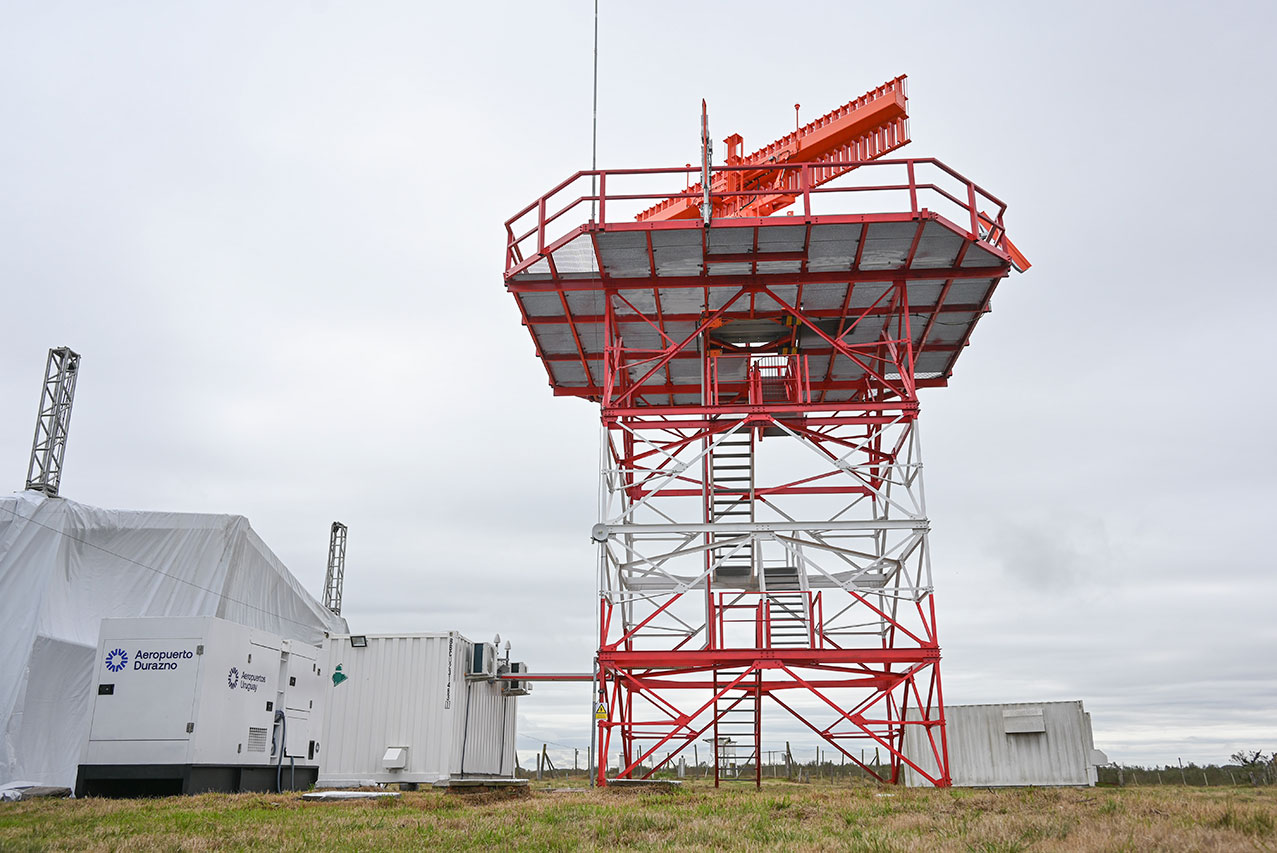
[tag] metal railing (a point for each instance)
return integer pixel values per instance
(914, 185)
(757, 612)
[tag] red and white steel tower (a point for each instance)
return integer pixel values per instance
(762, 530)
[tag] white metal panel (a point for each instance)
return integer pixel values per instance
(1097, 757)
(397, 693)
(239, 691)
(985, 751)
(153, 694)
(304, 680)
(303, 702)
(483, 733)
(1019, 721)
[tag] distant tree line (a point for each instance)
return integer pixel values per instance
(1247, 767)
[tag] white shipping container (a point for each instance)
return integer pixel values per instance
(1017, 744)
(401, 709)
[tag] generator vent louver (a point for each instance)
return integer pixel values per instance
(256, 739)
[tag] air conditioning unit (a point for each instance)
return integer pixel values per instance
(518, 687)
(483, 662)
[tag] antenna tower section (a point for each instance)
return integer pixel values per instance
(335, 577)
(763, 554)
(44, 473)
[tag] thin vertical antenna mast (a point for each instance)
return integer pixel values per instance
(707, 155)
(336, 568)
(594, 180)
(53, 420)
(594, 130)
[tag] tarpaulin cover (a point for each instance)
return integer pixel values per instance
(65, 566)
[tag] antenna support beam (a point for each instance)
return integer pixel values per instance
(336, 568)
(54, 419)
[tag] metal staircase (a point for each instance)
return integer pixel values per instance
(788, 606)
(731, 484)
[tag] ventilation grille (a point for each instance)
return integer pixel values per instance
(256, 739)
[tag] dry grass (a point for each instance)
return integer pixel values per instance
(782, 816)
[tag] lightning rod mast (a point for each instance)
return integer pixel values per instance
(52, 422)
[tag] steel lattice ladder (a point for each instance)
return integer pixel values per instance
(737, 727)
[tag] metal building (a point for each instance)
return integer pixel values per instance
(762, 538)
(416, 709)
(1039, 743)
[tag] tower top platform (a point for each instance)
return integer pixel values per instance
(893, 264)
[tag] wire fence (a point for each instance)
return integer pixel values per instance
(697, 762)
(821, 766)
(1195, 775)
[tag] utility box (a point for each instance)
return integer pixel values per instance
(194, 704)
(414, 709)
(515, 686)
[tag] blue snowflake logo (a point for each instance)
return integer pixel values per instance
(232, 678)
(117, 659)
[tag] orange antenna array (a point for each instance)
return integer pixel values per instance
(863, 129)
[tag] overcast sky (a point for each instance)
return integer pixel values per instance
(275, 234)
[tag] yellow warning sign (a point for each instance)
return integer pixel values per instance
(600, 711)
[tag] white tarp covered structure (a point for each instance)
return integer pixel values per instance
(64, 566)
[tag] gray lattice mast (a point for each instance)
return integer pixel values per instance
(50, 444)
(336, 568)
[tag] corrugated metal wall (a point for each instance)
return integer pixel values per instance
(1038, 743)
(484, 728)
(410, 691)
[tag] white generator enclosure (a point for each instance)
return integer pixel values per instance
(193, 704)
(1020, 744)
(417, 709)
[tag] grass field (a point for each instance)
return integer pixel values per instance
(782, 816)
